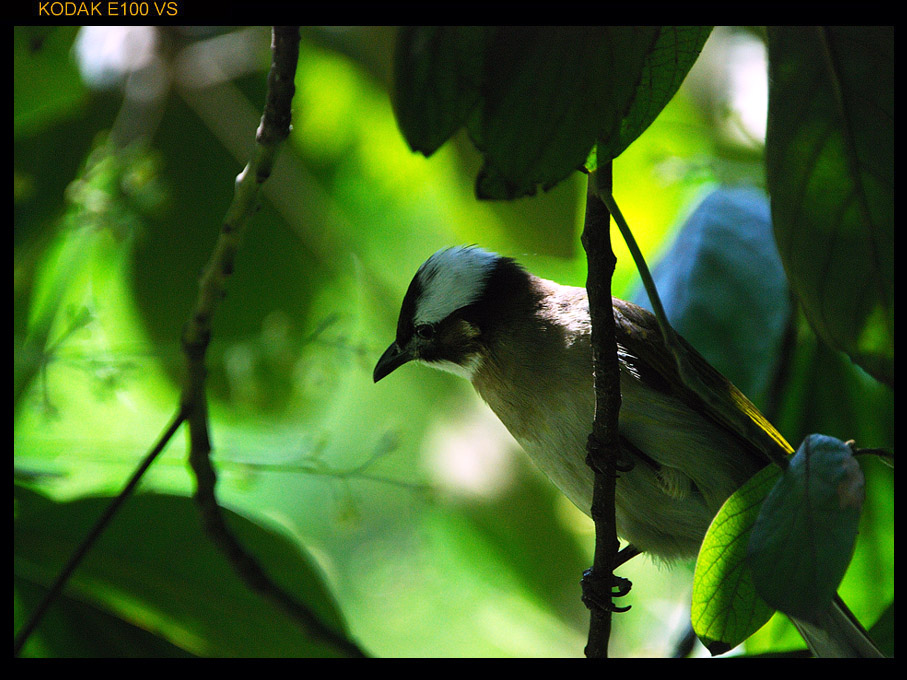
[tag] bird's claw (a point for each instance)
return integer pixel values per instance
(594, 595)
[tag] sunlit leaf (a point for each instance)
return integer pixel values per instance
(805, 534)
(726, 609)
(830, 172)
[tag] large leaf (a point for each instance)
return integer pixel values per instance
(154, 569)
(536, 99)
(437, 79)
(664, 68)
(549, 93)
(830, 171)
(75, 629)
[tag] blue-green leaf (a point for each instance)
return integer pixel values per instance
(724, 290)
(805, 534)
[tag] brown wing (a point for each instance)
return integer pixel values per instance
(716, 397)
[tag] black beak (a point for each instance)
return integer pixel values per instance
(393, 358)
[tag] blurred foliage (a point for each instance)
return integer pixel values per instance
(418, 515)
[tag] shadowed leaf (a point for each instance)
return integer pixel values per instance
(805, 534)
(830, 171)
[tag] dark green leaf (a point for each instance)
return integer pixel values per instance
(548, 94)
(536, 98)
(155, 569)
(882, 631)
(830, 172)
(437, 78)
(75, 629)
(726, 608)
(803, 540)
(665, 66)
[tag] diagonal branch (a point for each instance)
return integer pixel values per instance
(734, 411)
(274, 129)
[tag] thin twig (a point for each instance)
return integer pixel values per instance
(770, 443)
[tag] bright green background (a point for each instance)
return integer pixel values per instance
(431, 531)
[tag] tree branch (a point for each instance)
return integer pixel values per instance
(602, 450)
(274, 128)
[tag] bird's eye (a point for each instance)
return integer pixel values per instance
(426, 331)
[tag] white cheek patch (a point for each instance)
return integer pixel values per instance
(451, 279)
(465, 370)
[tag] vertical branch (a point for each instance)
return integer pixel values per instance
(274, 129)
(602, 447)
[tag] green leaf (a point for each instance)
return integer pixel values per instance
(154, 569)
(437, 77)
(74, 629)
(830, 172)
(549, 93)
(882, 631)
(664, 68)
(536, 98)
(805, 535)
(726, 609)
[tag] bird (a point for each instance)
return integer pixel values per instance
(524, 343)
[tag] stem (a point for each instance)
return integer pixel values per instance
(724, 400)
(667, 331)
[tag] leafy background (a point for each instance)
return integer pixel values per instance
(402, 509)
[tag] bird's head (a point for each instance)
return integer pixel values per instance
(455, 302)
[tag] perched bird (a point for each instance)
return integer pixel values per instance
(524, 343)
